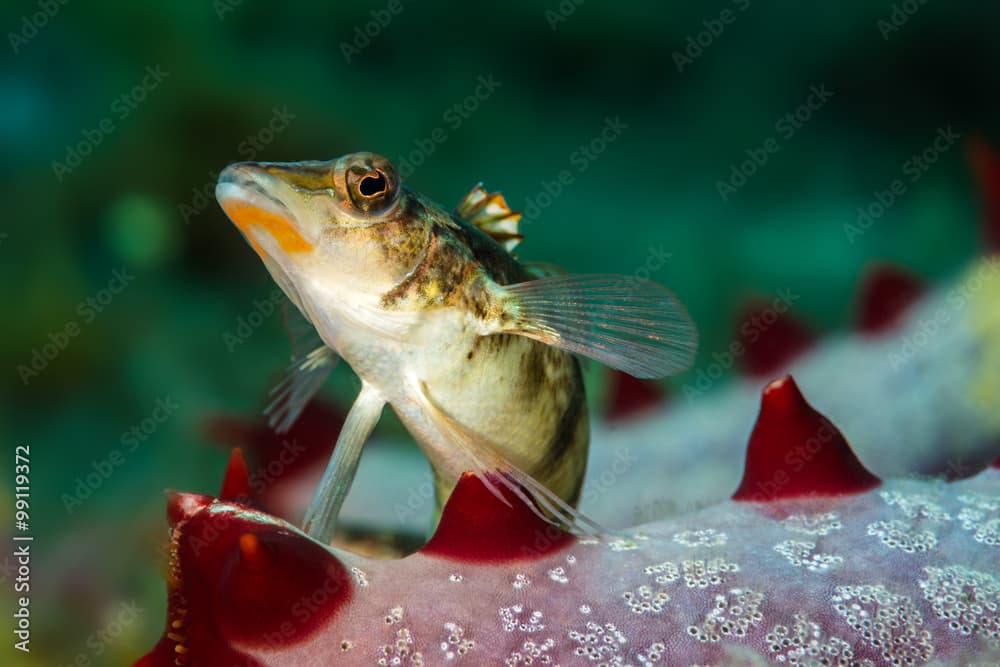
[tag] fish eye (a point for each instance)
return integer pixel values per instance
(372, 185)
(373, 188)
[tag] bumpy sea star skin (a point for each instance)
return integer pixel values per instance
(918, 398)
(868, 573)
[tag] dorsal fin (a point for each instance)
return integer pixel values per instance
(490, 213)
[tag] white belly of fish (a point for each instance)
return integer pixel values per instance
(402, 356)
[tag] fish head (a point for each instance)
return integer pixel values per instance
(334, 234)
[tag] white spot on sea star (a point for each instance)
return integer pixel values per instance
(733, 614)
(813, 524)
(558, 575)
(901, 535)
(708, 537)
(360, 576)
(969, 600)
(800, 554)
(889, 622)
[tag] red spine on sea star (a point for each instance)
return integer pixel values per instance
(885, 295)
(476, 526)
(770, 339)
(629, 396)
(795, 451)
(236, 484)
(986, 167)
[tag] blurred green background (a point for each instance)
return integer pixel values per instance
(122, 279)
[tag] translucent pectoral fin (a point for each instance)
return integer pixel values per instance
(321, 517)
(492, 469)
(304, 378)
(627, 323)
(312, 362)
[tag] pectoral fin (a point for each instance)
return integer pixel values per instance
(321, 517)
(303, 379)
(629, 324)
(312, 362)
(486, 462)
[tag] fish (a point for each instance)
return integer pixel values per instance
(475, 353)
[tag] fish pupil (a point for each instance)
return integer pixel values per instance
(373, 184)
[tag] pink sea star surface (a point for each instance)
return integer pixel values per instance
(860, 572)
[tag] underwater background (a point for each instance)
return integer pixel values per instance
(732, 151)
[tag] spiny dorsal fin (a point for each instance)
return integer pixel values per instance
(490, 213)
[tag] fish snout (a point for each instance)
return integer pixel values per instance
(244, 182)
(239, 172)
(251, 194)
(308, 176)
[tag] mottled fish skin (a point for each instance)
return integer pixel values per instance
(524, 397)
(428, 271)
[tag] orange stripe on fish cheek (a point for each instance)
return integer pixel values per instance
(283, 231)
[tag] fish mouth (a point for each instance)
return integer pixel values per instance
(245, 191)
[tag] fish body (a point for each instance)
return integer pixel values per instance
(524, 397)
(443, 324)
